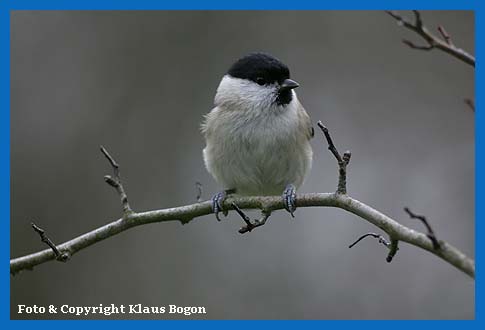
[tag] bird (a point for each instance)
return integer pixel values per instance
(258, 133)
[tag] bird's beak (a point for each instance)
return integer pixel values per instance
(288, 84)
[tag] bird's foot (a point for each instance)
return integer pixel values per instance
(289, 199)
(218, 202)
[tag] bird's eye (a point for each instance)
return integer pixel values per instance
(260, 81)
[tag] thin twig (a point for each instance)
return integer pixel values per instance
(198, 186)
(432, 41)
(116, 182)
(393, 248)
(419, 20)
(342, 161)
(43, 237)
(470, 103)
(445, 35)
(331, 146)
(414, 46)
(381, 239)
(250, 225)
(430, 233)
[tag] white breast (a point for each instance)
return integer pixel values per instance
(257, 153)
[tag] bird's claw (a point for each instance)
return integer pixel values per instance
(289, 199)
(217, 204)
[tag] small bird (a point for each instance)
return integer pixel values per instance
(258, 134)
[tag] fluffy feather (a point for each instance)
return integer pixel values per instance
(254, 145)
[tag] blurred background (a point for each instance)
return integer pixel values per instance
(140, 82)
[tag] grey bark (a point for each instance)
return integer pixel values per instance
(187, 213)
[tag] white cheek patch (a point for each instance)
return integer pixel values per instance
(244, 93)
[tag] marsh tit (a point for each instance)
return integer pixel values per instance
(258, 134)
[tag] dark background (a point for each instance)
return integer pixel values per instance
(140, 82)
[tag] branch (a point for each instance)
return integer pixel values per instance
(444, 43)
(393, 246)
(198, 186)
(342, 189)
(430, 233)
(250, 225)
(470, 103)
(381, 239)
(116, 182)
(187, 213)
(342, 161)
(267, 204)
(43, 237)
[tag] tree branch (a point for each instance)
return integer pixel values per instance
(184, 214)
(43, 237)
(444, 43)
(381, 239)
(267, 204)
(470, 103)
(116, 182)
(431, 235)
(198, 186)
(392, 246)
(251, 225)
(342, 161)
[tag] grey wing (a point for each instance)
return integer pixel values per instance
(306, 123)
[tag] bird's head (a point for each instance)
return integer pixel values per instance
(257, 80)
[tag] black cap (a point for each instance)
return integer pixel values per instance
(261, 68)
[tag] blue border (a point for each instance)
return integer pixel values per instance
(7, 5)
(479, 83)
(242, 4)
